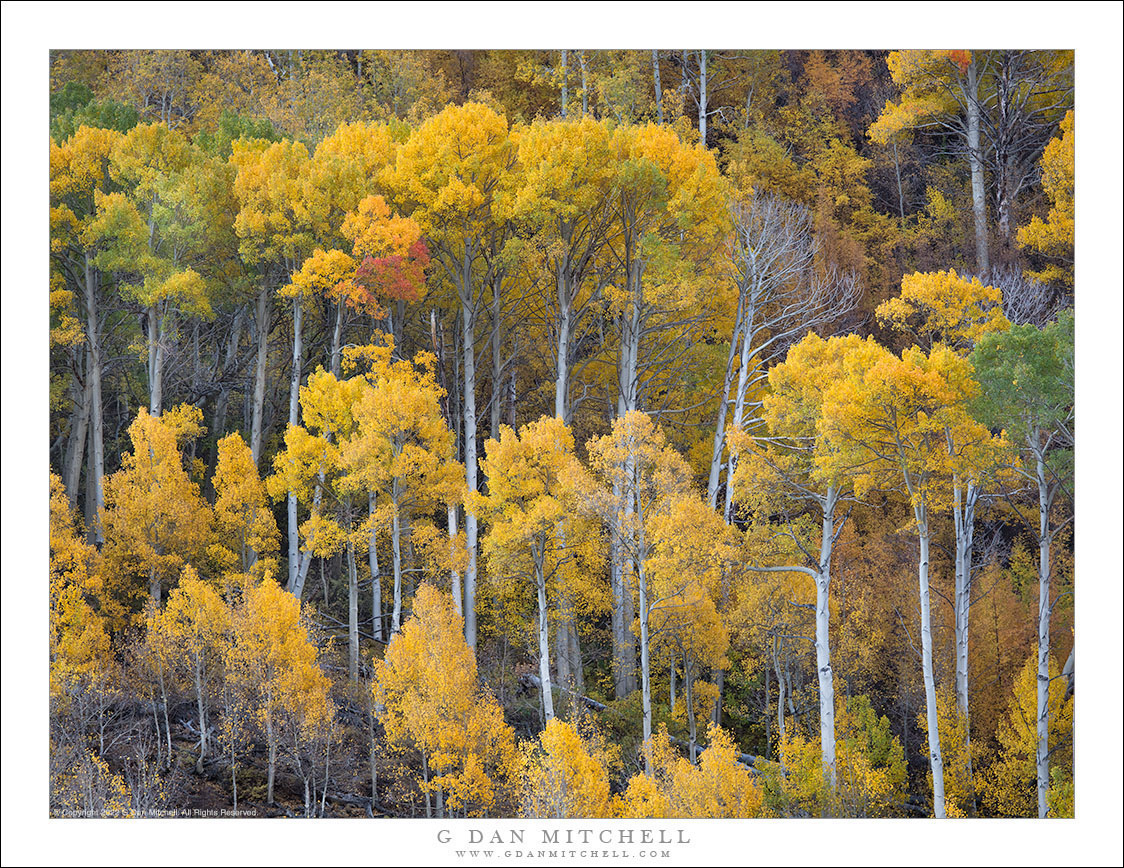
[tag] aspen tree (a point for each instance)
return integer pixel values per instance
(447, 176)
(1027, 383)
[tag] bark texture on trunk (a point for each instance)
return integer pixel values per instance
(260, 366)
(1042, 751)
(936, 763)
(976, 165)
(295, 584)
(470, 468)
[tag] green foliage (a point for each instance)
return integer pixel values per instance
(232, 127)
(74, 106)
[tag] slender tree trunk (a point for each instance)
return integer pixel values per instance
(262, 324)
(738, 421)
(963, 514)
(1042, 751)
(496, 406)
(562, 360)
(823, 646)
(352, 614)
(156, 722)
(96, 472)
(164, 709)
(622, 651)
(544, 642)
(294, 420)
(337, 339)
(470, 469)
(454, 576)
(723, 411)
(376, 578)
(76, 444)
(627, 401)
(202, 718)
(936, 764)
(562, 653)
(576, 670)
(656, 83)
(780, 696)
(689, 698)
(154, 586)
(565, 81)
(765, 712)
(372, 753)
(155, 361)
(898, 175)
(233, 770)
(645, 672)
(585, 83)
(976, 164)
(305, 556)
(702, 97)
(396, 555)
(272, 768)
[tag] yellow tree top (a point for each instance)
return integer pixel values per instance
(1053, 237)
(428, 697)
(890, 423)
(944, 307)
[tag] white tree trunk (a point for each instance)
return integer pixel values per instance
(76, 444)
(396, 554)
(565, 81)
(376, 579)
(352, 614)
(454, 576)
(562, 360)
(656, 81)
(294, 420)
(689, 698)
(645, 668)
(936, 764)
(337, 339)
(964, 515)
(470, 469)
(496, 404)
(259, 372)
(976, 164)
(823, 645)
(585, 84)
(155, 361)
(738, 421)
(723, 412)
(1042, 752)
(544, 643)
(96, 471)
(702, 97)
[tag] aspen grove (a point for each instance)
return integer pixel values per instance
(568, 434)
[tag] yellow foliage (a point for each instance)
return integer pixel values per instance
(943, 307)
(959, 787)
(566, 775)
(244, 524)
(870, 769)
(428, 699)
(718, 787)
(276, 685)
(1008, 780)
(89, 789)
(155, 519)
(1053, 237)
